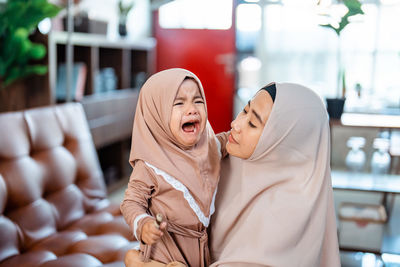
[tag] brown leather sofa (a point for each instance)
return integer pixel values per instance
(53, 200)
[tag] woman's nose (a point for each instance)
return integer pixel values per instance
(235, 125)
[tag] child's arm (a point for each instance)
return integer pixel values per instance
(223, 139)
(134, 207)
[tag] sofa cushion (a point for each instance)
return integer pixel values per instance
(53, 198)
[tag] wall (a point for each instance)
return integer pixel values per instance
(139, 18)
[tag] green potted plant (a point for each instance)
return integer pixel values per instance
(123, 17)
(335, 105)
(18, 20)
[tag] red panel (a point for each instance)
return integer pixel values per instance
(200, 51)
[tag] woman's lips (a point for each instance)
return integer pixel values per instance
(231, 139)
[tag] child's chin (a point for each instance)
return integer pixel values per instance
(190, 140)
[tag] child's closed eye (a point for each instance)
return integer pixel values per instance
(178, 103)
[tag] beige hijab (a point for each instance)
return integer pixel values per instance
(152, 140)
(276, 208)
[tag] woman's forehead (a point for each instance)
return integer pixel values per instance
(262, 103)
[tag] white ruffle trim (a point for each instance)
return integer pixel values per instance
(188, 197)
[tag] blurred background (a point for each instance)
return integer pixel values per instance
(100, 52)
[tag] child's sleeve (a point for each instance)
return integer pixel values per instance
(222, 138)
(134, 207)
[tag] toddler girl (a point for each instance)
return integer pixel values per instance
(176, 162)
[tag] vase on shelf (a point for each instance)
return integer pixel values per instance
(337, 24)
(122, 29)
(123, 17)
(335, 107)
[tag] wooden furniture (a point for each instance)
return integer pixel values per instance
(388, 185)
(110, 115)
(375, 121)
(127, 57)
(110, 118)
(379, 121)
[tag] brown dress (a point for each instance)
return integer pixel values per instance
(186, 239)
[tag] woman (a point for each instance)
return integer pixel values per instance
(274, 205)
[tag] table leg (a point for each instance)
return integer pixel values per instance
(388, 203)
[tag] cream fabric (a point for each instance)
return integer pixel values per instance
(276, 208)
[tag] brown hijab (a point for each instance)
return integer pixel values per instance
(276, 208)
(153, 142)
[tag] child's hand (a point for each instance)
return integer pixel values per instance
(151, 234)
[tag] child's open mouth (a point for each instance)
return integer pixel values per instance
(191, 126)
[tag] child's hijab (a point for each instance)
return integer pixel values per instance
(153, 142)
(276, 208)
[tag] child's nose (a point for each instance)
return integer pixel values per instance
(192, 110)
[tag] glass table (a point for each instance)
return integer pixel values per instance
(388, 185)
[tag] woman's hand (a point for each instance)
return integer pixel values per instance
(151, 233)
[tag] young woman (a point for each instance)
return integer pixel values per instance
(274, 205)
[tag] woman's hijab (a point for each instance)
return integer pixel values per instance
(153, 142)
(276, 208)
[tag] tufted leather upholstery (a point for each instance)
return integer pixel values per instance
(54, 210)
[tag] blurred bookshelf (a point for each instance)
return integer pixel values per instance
(129, 58)
(109, 111)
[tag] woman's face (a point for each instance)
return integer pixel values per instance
(249, 125)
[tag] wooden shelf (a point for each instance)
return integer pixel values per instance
(127, 56)
(110, 114)
(90, 39)
(363, 120)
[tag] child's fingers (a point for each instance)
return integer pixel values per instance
(152, 238)
(149, 241)
(156, 231)
(163, 226)
(156, 237)
(151, 233)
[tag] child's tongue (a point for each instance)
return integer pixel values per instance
(188, 127)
